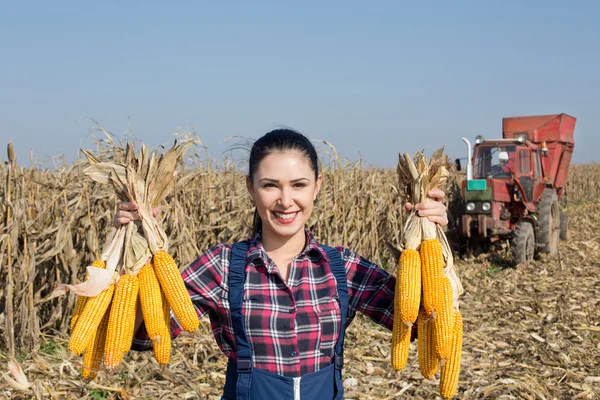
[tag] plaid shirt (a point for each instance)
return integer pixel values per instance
(292, 327)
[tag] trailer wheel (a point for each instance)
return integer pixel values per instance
(523, 242)
(549, 220)
(564, 227)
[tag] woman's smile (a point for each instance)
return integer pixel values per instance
(285, 217)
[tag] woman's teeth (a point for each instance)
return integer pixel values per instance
(285, 216)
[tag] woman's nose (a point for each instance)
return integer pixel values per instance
(286, 198)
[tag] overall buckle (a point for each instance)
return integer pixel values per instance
(338, 360)
(244, 365)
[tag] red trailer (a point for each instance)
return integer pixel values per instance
(556, 132)
(514, 184)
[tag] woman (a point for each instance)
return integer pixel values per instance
(279, 302)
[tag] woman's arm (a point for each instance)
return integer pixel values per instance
(370, 289)
(205, 284)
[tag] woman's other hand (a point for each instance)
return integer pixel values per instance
(127, 212)
(434, 210)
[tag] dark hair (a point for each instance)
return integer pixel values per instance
(279, 140)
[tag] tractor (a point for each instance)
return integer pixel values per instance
(513, 186)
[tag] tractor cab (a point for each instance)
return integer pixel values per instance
(494, 161)
(513, 162)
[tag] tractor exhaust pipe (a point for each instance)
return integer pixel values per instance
(469, 155)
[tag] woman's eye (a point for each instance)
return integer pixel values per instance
(300, 185)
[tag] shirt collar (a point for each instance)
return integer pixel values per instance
(313, 250)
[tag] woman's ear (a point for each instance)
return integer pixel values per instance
(250, 187)
(318, 186)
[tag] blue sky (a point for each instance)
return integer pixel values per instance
(373, 78)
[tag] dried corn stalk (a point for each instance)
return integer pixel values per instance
(436, 281)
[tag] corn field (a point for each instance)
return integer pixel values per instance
(54, 222)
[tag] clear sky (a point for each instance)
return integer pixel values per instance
(374, 78)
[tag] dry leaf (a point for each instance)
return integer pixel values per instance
(99, 279)
(20, 382)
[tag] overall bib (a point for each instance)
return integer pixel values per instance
(244, 382)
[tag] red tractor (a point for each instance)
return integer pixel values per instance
(514, 184)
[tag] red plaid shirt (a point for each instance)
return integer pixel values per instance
(293, 326)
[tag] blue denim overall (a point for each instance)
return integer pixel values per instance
(244, 382)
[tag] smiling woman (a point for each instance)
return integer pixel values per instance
(280, 302)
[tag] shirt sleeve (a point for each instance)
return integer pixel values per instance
(370, 289)
(204, 280)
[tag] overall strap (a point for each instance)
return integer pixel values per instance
(336, 264)
(237, 274)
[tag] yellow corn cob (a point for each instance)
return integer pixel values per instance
(172, 284)
(162, 346)
(451, 368)
(89, 320)
(408, 286)
(80, 304)
(444, 320)
(120, 329)
(432, 265)
(129, 325)
(428, 358)
(151, 301)
(92, 358)
(400, 344)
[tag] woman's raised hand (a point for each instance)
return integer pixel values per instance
(127, 212)
(434, 210)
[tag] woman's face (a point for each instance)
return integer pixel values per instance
(284, 190)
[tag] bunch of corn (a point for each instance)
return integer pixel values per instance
(135, 266)
(427, 285)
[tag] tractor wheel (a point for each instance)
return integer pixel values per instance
(523, 242)
(564, 227)
(549, 220)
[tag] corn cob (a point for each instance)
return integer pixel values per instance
(432, 265)
(89, 320)
(120, 330)
(444, 321)
(428, 358)
(92, 358)
(129, 325)
(400, 344)
(80, 304)
(451, 368)
(157, 314)
(151, 301)
(408, 286)
(172, 284)
(162, 346)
